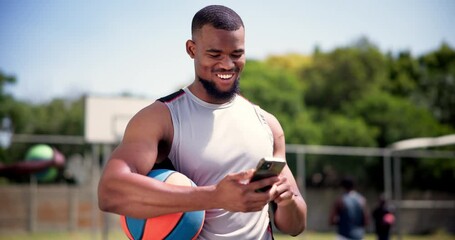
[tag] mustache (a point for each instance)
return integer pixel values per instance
(221, 70)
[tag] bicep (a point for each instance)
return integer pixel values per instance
(133, 157)
(138, 150)
(279, 145)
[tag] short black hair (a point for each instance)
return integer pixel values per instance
(348, 183)
(220, 17)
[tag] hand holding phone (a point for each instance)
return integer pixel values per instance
(268, 167)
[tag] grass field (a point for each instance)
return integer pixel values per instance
(119, 235)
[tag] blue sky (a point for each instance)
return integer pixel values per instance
(67, 48)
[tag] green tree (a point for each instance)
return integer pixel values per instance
(343, 75)
(404, 74)
(4, 81)
(6, 100)
(436, 87)
(59, 117)
(275, 89)
(340, 130)
(396, 118)
(302, 129)
(6, 105)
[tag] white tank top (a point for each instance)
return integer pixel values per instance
(213, 140)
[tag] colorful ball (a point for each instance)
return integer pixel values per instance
(389, 218)
(182, 225)
(42, 152)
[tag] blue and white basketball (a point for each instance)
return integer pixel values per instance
(182, 225)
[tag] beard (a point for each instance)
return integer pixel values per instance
(214, 92)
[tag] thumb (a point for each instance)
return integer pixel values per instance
(243, 177)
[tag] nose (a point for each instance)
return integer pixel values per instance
(227, 63)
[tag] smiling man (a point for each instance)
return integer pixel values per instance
(212, 135)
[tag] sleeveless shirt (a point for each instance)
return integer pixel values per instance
(213, 140)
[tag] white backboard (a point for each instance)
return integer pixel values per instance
(106, 117)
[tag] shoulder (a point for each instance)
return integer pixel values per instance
(272, 121)
(172, 97)
(152, 120)
(154, 111)
(159, 110)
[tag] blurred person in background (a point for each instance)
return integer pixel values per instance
(349, 212)
(383, 219)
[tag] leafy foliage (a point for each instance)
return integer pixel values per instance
(395, 118)
(436, 86)
(342, 76)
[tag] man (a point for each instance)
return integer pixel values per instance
(383, 219)
(213, 136)
(349, 213)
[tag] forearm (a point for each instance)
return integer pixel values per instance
(139, 196)
(291, 218)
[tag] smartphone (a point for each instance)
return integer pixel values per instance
(268, 167)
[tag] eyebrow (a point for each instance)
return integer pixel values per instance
(211, 50)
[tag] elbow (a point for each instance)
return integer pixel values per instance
(298, 230)
(107, 202)
(300, 221)
(294, 232)
(293, 229)
(301, 229)
(105, 205)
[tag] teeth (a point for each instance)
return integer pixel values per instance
(225, 76)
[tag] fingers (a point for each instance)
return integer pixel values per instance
(242, 196)
(255, 202)
(263, 183)
(283, 193)
(233, 195)
(249, 201)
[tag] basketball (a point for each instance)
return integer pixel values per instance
(42, 152)
(182, 225)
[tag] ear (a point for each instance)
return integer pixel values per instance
(191, 48)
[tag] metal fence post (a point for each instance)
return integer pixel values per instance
(387, 175)
(73, 201)
(301, 171)
(32, 204)
(397, 193)
(94, 188)
(107, 149)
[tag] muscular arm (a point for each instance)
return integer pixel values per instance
(124, 189)
(290, 215)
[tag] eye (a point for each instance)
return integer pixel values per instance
(237, 55)
(214, 55)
